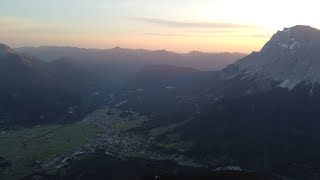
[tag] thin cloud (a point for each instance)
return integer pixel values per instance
(206, 35)
(185, 24)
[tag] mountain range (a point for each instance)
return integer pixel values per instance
(259, 112)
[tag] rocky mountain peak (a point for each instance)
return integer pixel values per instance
(292, 39)
(291, 56)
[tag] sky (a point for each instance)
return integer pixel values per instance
(176, 25)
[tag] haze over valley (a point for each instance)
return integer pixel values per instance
(186, 98)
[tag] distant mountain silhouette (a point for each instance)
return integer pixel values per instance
(138, 57)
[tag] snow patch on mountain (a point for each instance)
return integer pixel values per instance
(289, 84)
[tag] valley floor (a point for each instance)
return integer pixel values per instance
(50, 149)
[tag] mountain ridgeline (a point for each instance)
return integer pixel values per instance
(134, 59)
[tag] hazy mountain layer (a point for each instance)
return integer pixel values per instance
(135, 57)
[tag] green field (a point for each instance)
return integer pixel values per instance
(24, 146)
